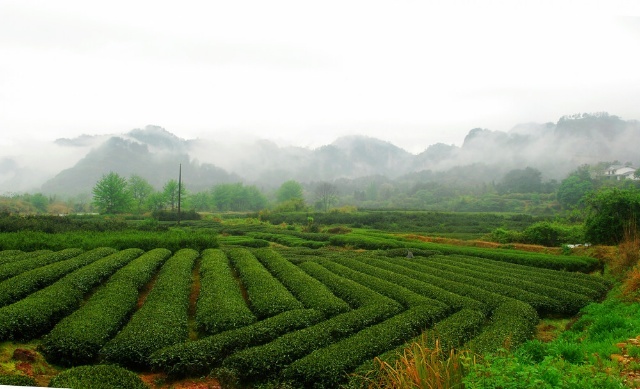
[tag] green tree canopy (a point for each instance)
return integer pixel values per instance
(111, 194)
(573, 188)
(290, 190)
(612, 213)
(170, 193)
(237, 197)
(140, 190)
(527, 180)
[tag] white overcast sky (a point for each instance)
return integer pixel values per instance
(300, 72)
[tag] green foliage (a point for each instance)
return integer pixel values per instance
(512, 324)
(20, 266)
(265, 361)
(200, 356)
(17, 380)
(574, 188)
(220, 304)
(162, 319)
(78, 337)
(98, 377)
(405, 277)
(40, 311)
(111, 194)
(289, 191)
(311, 292)
(140, 190)
(527, 180)
(555, 262)
(267, 296)
(326, 367)
(168, 215)
(57, 224)
(15, 288)
(173, 239)
(612, 212)
(577, 359)
(395, 292)
(237, 197)
(552, 234)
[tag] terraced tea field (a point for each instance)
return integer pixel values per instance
(309, 309)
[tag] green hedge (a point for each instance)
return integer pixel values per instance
(490, 299)
(362, 241)
(8, 256)
(555, 262)
(328, 367)
(454, 331)
(173, 239)
(395, 292)
(200, 356)
(97, 377)
(162, 319)
(311, 292)
(288, 240)
(267, 296)
(78, 338)
(391, 272)
(512, 324)
(20, 266)
(568, 302)
(234, 240)
(40, 311)
(592, 286)
(17, 380)
(220, 304)
(540, 302)
(263, 362)
(22, 285)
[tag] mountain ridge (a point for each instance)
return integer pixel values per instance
(155, 153)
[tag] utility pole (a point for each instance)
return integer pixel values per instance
(179, 190)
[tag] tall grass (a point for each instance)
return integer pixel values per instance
(422, 367)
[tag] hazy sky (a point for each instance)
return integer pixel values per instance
(301, 72)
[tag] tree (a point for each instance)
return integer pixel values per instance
(527, 180)
(111, 195)
(237, 197)
(140, 190)
(573, 188)
(612, 213)
(326, 195)
(170, 192)
(290, 190)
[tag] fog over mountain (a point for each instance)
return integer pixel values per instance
(73, 166)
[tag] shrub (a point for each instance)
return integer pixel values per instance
(162, 319)
(17, 287)
(40, 311)
(395, 292)
(78, 337)
(98, 377)
(403, 276)
(20, 266)
(220, 304)
(267, 296)
(17, 380)
(512, 323)
(265, 361)
(326, 367)
(311, 292)
(200, 356)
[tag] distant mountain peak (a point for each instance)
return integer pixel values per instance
(157, 136)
